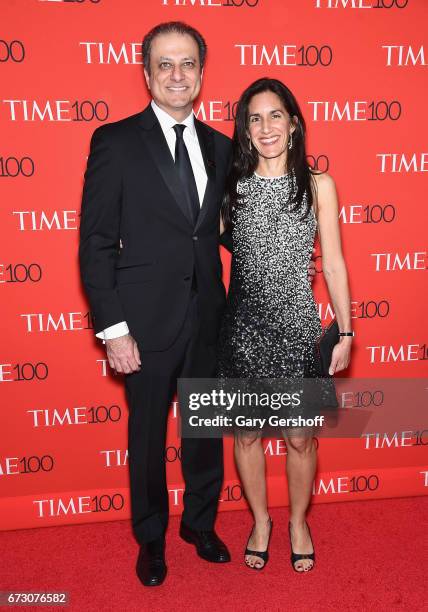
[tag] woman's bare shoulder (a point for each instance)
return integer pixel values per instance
(324, 181)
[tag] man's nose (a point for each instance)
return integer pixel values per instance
(177, 73)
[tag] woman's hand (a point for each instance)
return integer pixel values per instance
(341, 355)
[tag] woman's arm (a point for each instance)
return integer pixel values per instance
(334, 267)
(221, 225)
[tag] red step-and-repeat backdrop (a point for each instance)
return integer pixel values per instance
(358, 68)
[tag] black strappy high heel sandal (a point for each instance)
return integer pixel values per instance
(263, 555)
(300, 556)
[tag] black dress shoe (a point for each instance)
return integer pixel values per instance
(151, 567)
(208, 544)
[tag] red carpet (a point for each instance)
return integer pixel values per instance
(370, 556)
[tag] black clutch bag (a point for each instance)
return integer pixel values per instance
(325, 345)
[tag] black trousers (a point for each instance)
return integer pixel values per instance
(149, 394)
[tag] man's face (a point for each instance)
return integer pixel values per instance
(175, 72)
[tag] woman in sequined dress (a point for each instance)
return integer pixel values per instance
(273, 206)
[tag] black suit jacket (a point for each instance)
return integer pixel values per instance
(138, 249)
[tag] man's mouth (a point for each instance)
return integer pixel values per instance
(177, 88)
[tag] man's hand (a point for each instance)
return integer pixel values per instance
(123, 354)
(311, 268)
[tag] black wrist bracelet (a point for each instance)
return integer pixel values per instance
(347, 333)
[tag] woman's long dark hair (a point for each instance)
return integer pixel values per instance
(245, 160)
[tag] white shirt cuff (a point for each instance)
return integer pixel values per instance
(114, 331)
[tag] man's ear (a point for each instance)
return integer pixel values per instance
(202, 74)
(147, 78)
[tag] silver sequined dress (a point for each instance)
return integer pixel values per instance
(271, 321)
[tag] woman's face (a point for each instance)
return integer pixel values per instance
(269, 125)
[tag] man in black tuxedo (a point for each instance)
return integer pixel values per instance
(150, 264)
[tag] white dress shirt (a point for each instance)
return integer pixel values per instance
(197, 162)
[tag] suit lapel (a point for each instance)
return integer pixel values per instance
(157, 147)
(206, 142)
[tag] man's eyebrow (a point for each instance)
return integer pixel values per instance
(169, 59)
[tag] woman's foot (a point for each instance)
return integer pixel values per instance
(258, 542)
(302, 550)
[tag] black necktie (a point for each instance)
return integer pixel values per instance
(184, 167)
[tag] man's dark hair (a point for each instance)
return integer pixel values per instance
(176, 27)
